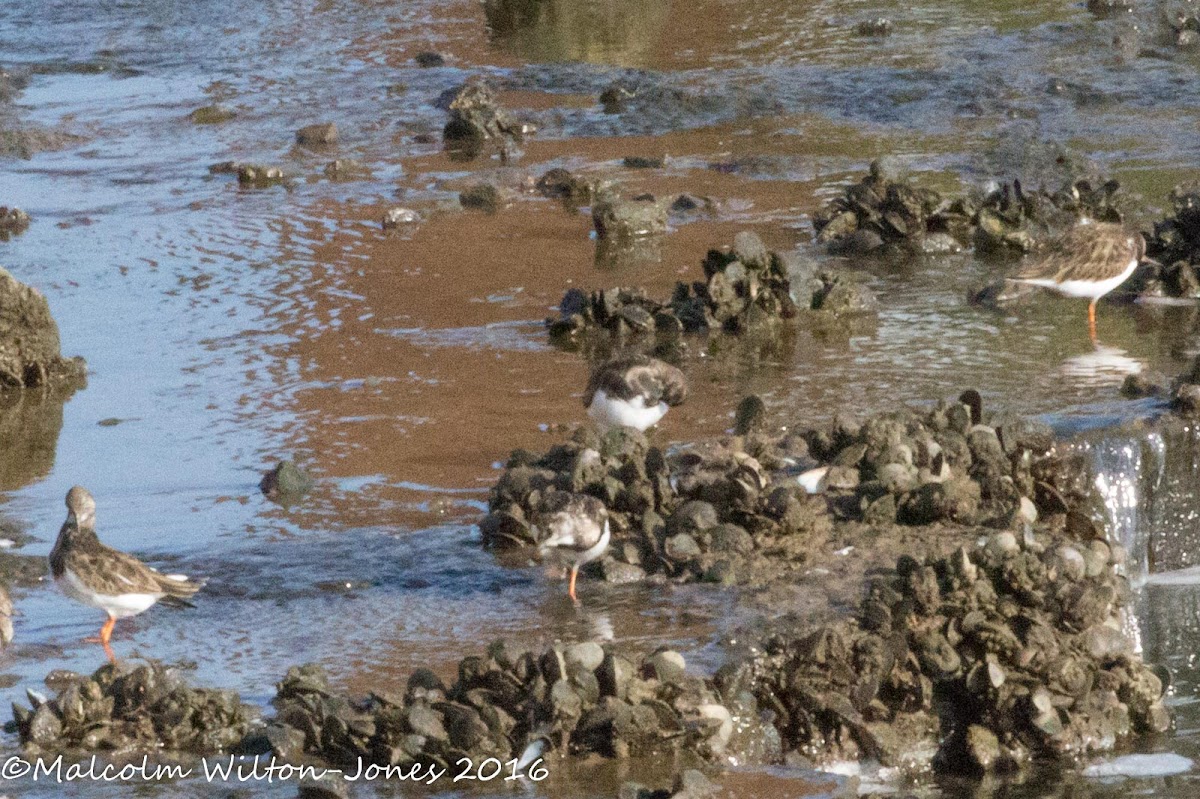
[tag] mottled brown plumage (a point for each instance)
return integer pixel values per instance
(1090, 253)
(1089, 260)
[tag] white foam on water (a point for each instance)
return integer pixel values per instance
(1161, 764)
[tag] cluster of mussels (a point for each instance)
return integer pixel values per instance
(149, 706)
(725, 514)
(577, 699)
(992, 656)
(1175, 245)
(745, 288)
(881, 214)
(946, 465)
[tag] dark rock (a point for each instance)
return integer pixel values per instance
(476, 119)
(644, 162)
(287, 482)
(482, 197)
(880, 26)
(428, 58)
(750, 414)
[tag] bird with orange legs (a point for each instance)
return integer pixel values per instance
(577, 532)
(1089, 260)
(105, 578)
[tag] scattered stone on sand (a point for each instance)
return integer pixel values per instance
(427, 59)
(644, 162)
(399, 217)
(12, 222)
(30, 354)
(615, 98)
(212, 115)
(347, 169)
(320, 134)
(477, 121)
(746, 288)
(259, 176)
(617, 217)
(128, 707)
(286, 483)
(485, 197)
(574, 190)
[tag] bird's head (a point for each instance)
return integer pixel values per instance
(81, 505)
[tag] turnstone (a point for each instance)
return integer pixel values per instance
(577, 531)
(104, 578)
(1089, 260)
(633, 391)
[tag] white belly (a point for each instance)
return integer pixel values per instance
(588, 555)
(118, 606)
(1082, 288)
(609, 412)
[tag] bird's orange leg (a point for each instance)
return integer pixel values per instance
(1092, 320)
(104, 637)
(571, 590)
(107, 630)
(105, 633)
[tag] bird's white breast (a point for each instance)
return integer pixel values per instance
(1086, 288)
(118, 605)
(611, 412)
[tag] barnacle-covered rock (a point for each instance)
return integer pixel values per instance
(1175, 248)
(30, 356)
(946, 464)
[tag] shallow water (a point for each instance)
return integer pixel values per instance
(226, 328)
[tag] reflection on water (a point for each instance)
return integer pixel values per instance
(1102, 365)
(30, 421)
(617, 32)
